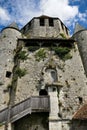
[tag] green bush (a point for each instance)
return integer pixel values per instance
(62, 52)
(22, 55)
(40, 55)
(20, 72)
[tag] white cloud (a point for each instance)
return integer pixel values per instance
(82, 16)
(4, 16)
(21, 11)
(59, 8)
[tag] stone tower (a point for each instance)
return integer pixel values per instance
(80, 36)
(43, 81)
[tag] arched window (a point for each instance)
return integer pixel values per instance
(43, 92)
(52, 74)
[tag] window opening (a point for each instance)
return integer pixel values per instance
(51, 23)
(8, 74)
(54, 75)
(42, 22)
(80, 100)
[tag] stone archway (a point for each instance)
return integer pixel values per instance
(43, 92)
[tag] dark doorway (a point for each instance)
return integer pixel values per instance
(34, 121)
(43, 92)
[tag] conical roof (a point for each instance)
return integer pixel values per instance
(78, 27)
(14, 25)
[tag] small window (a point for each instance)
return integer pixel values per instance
(51, 23)
(8, 74)
(80, 99)
(42, 22)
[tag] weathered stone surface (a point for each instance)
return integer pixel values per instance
(81, 39)
(8, 43)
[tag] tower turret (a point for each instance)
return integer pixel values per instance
(80, 36)
(8, 43)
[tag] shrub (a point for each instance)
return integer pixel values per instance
(20, 72)
(22, 55)
(62, 52)
(41, 54)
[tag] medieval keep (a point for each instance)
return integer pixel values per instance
(43, 76)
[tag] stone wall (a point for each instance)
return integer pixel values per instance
(8, 43)
(70, 75)
(29, 74)
(46, 31)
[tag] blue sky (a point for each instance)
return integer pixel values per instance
(21, 11)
